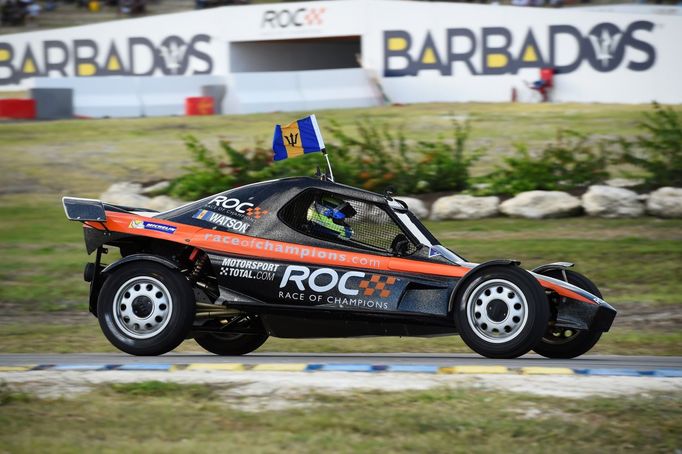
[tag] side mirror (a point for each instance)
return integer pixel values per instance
(400, 245)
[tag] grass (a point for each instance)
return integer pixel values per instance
(155, 388)
(82, 157)
(437, 420)
(631, 260)
(635, 262)
(43, 255)
(83, 335)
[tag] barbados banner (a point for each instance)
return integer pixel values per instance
(300, 137)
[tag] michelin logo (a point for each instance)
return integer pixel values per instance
(146, 225)
(223, 220)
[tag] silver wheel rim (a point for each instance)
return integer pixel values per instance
(497, 311)
(142, 307)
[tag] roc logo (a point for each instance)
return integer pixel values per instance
(377, 283)
(299, 17)
(496, 50)
(314, 16)
(256, 213)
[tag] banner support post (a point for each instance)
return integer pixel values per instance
(329, 165)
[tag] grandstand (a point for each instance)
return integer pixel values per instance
(76, 12)
(59, 13)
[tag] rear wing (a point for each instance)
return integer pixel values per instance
(77, 209)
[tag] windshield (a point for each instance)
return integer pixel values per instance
(417, 229)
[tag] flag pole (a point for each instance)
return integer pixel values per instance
(329, 164)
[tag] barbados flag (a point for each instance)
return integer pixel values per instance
(300, 137)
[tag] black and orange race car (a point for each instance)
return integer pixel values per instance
(309, 258)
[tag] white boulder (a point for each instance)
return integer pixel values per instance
(416, 206)
(129, 195)
(163, 203)
(541, 204)
(464, 207)
(611, 202)
(624, 182)
(123, 187)
(156, 189)
(665, 202)
(126, 194)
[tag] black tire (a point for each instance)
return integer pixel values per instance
(506, 323)
(230, 344)
(565, 343)
(162, 291)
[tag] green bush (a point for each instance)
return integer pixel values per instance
(572, 161)
(372, 157)
(659, 151)
(444, 167)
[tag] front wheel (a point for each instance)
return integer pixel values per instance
(502, 312)
(565, 343)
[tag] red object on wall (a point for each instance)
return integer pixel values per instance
(547, 76)
(18, 108)
(199, 105)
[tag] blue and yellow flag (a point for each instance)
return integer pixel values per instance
(300, 137)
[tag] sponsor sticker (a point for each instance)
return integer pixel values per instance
(256, 212)
(249, 269)
(355, 289)
(222, 220)
(231, 204)
(259, 246)
(434, 252)
(155, 226)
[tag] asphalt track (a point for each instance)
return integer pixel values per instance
(442, 360)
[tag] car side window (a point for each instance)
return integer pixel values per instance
(343, 220)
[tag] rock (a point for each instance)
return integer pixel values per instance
(156, 189)
(163, 203)
(416, 206)
(542, 204)
(126, 199)
(130, 195)
(610, 202)
(464, 207)
(124, 187)
(624, 182)
(665, 202)
(126, 194)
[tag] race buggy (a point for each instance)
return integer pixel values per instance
(307, 257)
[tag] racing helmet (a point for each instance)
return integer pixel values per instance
(328, 215)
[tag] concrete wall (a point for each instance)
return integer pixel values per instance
(418, 51)
(300, 91)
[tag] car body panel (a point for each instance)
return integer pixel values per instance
(264, 265)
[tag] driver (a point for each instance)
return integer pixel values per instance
(328, 216)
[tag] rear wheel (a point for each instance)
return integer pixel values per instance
(232, 344)
(566, 342)
(502, 312)
(145, 308)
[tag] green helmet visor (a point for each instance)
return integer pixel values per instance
(329, 215)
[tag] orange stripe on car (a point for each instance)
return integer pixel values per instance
(227, 242)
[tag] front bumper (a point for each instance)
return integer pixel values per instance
(578, 315)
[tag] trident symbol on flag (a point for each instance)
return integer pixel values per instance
(292, 139)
